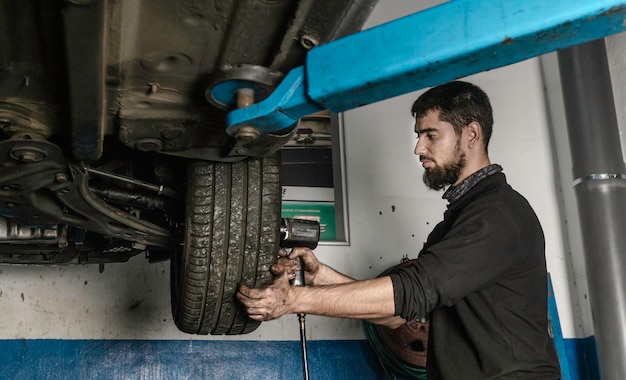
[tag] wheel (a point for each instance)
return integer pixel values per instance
(231, 237)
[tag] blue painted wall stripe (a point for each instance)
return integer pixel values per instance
(583, 358)
(557, 333)
(149, 359)
(176, 359)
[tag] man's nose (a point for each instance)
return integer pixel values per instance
(419, 148)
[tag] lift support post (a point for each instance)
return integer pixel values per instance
(431, 47)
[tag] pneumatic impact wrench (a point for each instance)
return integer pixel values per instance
(300, 233)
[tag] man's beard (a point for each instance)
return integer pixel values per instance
(438, 178)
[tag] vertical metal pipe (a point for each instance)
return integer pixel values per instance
(600, 187)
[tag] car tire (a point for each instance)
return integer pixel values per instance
(231, 237)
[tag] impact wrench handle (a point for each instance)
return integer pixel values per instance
(299, 281)
(300, 233)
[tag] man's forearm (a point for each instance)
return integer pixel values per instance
(329, 276)
(368, 299)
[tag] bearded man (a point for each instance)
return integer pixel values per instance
(481, 277)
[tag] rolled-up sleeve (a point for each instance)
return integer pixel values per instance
(410, 293)
(398, 295)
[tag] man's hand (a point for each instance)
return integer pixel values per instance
(272, 301)
(315, 272)
(312, 266)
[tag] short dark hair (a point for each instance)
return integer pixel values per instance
(459, 103)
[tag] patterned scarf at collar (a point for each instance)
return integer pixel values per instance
(454, 193)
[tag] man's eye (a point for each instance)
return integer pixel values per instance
(431, 136)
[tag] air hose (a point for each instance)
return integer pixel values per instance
(393, 367)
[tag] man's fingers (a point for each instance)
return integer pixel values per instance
(306, 254)
(290, 266)
(283, 266)
(270, 301)
(297, 252)
(308, 258)
(259, 309)
(280, 279)
(247, 294)
(255, 313)
(244, 290)
(251, 304)
(243, 295)
(277, 269)
(286, 262)
(256, 317)
(282, 252)
(259, 317)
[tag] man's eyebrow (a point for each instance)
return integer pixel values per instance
(425, 130)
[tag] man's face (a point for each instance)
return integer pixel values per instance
(439, 149)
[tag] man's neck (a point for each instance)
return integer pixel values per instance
(471, 168)
(455, 192)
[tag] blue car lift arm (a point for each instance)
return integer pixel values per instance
(434, 46)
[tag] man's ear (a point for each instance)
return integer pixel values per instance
(474, 134)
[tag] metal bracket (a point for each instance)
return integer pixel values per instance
(280, 110)
(443, 43)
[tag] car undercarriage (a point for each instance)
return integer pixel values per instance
(111, 147)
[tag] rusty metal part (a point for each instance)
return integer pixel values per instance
(159, 189)
(48, 191)
(15, 233)
(409, 342)
(84, 23)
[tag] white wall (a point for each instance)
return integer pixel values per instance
(131, 300)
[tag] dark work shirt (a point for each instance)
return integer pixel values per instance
(481, 279)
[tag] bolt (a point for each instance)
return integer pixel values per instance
(309, 42)
(171, 134)
(149, 145)
(247, 133)
(239, 151)
(138, 246)
(27, 156)
(60, 177)
(245, 97)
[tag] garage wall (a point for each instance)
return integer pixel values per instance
(116, 323)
